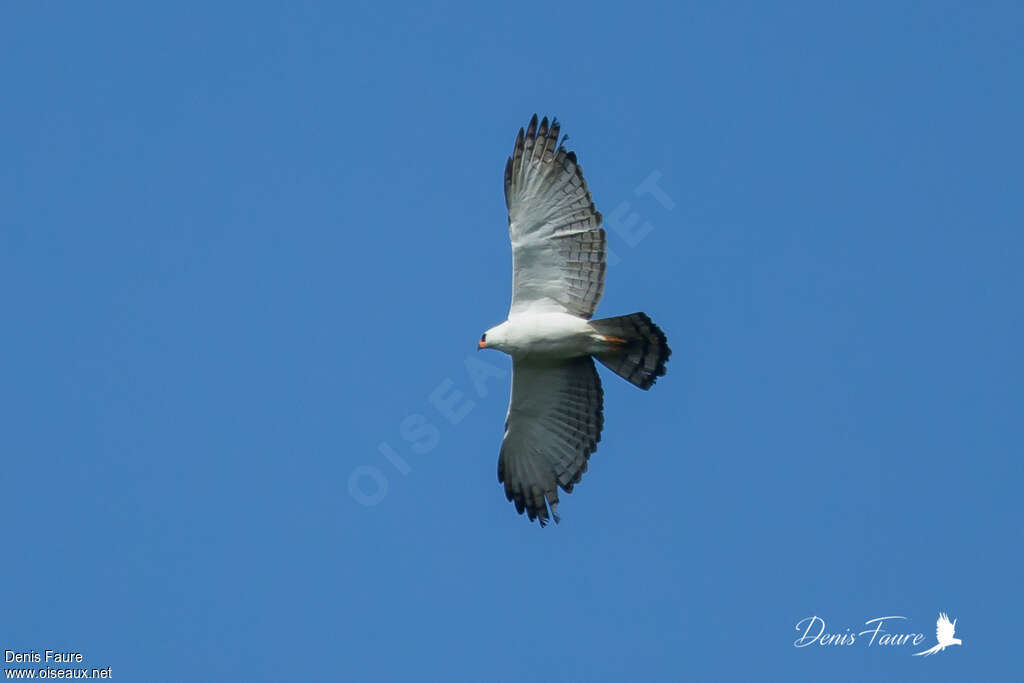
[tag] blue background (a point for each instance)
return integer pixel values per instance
(243, 244)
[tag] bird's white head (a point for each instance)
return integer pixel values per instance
(494, 338)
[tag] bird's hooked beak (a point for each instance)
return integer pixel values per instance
(481, 345)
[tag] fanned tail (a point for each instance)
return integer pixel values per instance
(637, 348)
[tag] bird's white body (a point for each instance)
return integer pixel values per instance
(539, 336)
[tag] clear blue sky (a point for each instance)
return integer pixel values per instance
(242, 245)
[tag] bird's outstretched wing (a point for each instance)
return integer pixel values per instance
(943, 629)
(553, 425)
(558, 246)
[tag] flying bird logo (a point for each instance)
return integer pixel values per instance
(943, 634)
(555, 414)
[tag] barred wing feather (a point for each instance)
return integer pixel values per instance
(554, 423)
(558, 246)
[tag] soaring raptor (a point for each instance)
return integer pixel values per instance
(558, 261)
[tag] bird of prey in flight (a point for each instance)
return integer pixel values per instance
(944, 634)
(558, 261)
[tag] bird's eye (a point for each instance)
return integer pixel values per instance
(483, 337)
